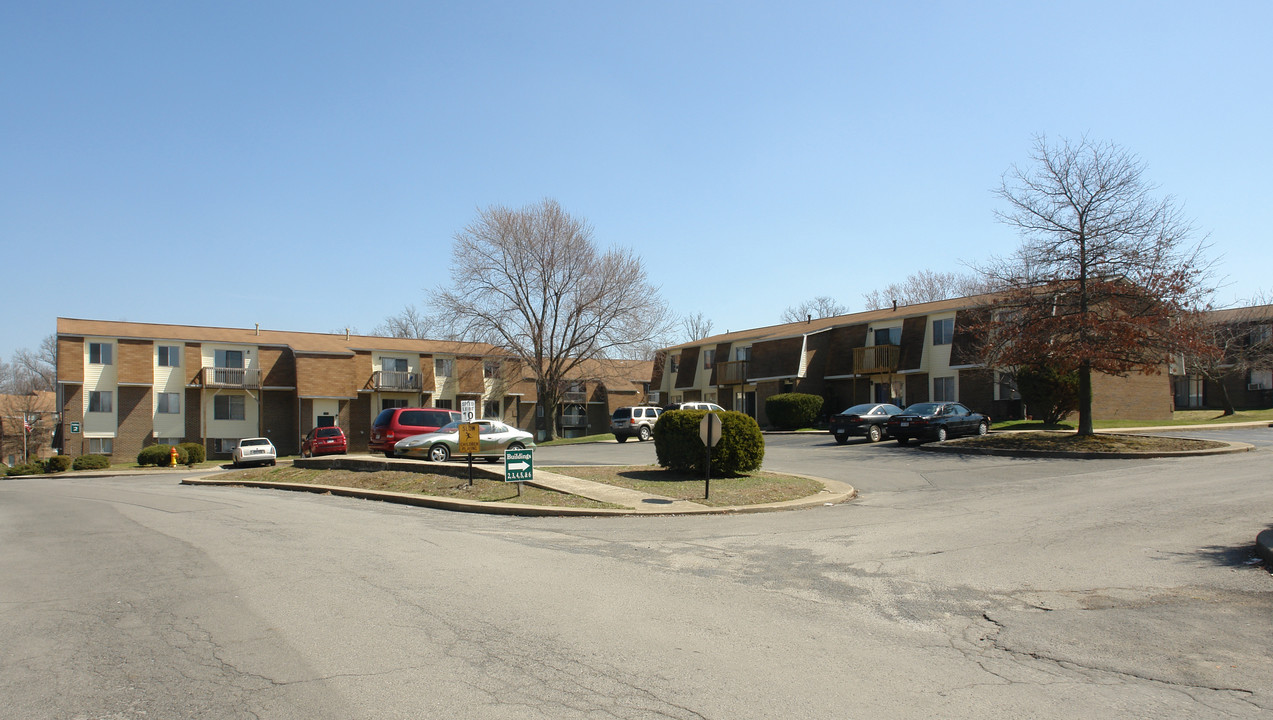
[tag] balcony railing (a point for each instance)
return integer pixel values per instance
(733, 372)
(574, 396)
(231, 377)
(394, 380)
(876, 359)
(574, 420)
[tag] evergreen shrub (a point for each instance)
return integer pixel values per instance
(678, 446)
(160, 456)
(91, 462)
(195, 453)
(792, 411)
(57, 464)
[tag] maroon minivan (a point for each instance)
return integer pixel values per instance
(394, 424)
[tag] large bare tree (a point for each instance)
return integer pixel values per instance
(533, 280)
(822, 306)
(413, 324)
(33, 370)
(1104, 274)
(695, 327)
(925, 286)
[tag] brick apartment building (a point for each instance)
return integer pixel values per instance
(123, 386)
(903, 355)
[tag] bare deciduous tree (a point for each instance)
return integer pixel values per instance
(821, 306)
(695, 327)
(1105, 272)
(412, 323)
(1241, 342)
(33, 371)
(925, 286)
(532, 280)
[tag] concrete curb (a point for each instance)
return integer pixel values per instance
(635, 502)
(1230, 447)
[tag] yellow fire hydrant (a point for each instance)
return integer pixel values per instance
(173, 455)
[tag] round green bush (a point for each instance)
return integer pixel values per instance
(32, 467)
(91, 462)
(160, 455)
(195, 453)
(57, 464)
(678, 446)
(792, 411)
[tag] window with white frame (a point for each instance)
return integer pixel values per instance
(99, 353)
(101, 446)
(490, 369)
(100, 401)
(943, 331)
(388, 364)
(228, 407)
(443, 367)
(228, 359)
(943, 389)
(169, 356)
(168, 403)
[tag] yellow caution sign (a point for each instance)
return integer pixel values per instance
(470, 439)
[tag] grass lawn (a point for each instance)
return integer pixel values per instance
(749, 489)
(482, 490)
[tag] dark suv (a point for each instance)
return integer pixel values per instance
(636, 421)
(393, 424)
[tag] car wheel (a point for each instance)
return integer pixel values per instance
(621, 438)
(873, 434)
(389, 453)
(941, 434)
(644, 433)
(516, 446)
(841, 439)
(902, 440)
(983, 428)
(271, 463)
(439, 453)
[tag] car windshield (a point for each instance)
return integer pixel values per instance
(859, 410)
(922, 409)
(329, 432)
(257, 441)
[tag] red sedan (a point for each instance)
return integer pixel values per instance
(324, 441)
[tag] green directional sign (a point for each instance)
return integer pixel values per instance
(519, 465)
(75, 427)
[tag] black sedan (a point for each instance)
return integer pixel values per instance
(869, 420)
(936, 421)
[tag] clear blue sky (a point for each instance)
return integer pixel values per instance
(306, 165)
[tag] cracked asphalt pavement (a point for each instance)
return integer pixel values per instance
(953, 587)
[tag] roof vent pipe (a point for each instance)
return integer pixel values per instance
(258, 328)
(808, 319)
(346, 333)
(894, 306)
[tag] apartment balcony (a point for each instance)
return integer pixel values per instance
(733, 372)
(876, 359)
(574, 397)
(390, 380)
(219, 377)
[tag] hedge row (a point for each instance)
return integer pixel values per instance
(792, 411)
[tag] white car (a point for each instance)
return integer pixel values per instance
(258, 451)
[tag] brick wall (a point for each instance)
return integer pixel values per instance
(468, 372)
(136, 421)
(136, 361)
(916, 388)
(278, 367)
(1138, 396)
(841, 342)
(194, 412)
(72, 411)
(359, 427)
(193, 362)
(278, 420)
(325, 376)
(70, 359)
(775, 358)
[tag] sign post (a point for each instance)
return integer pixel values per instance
(470, 442)
(709, 429)
(519, 467)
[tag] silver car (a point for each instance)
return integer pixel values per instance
(439, 446)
